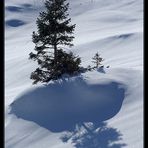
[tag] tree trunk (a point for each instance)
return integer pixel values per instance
(55, 55)
(55, 49)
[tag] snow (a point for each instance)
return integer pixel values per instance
(75, 100)
(108, 101)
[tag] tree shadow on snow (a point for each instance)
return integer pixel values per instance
(94, 136)
(64, 104)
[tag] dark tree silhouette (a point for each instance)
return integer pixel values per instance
(96, 136)
(97, 60)
(53, 30)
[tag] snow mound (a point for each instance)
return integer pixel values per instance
(63, 104)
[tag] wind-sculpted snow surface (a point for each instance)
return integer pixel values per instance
(114, 28)
(21, 8)
(60, 106)
(15, 23)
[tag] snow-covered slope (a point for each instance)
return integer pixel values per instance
(38, 116)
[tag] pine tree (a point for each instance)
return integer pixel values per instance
(97, 60)
(53, 30)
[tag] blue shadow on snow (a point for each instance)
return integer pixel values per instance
(14, 23)
(13, 9)
(23, 7)
(94, 136)
(60, 106)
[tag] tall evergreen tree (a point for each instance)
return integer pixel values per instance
(53, 30)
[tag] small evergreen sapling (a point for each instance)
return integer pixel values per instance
(97, 60)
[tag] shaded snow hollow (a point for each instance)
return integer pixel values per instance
(65, 103)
